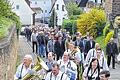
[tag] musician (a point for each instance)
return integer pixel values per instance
(24, 67)
(56, 74)
(68, 66)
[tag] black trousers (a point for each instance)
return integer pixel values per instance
(34, 44)
(109, 60)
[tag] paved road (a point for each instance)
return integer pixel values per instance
(115, 73)
(25, 48)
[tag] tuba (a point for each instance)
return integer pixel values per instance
(38, 66)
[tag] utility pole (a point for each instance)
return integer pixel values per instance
(44, 12)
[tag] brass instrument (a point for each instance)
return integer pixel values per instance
(39, 65)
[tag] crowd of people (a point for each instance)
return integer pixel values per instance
(68, 57)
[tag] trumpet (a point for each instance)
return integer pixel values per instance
(38, 66)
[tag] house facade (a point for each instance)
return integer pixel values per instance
(61, 11)
(22, 9)
(46, 7)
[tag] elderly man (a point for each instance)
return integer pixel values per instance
(67, 66)
(56, 74)
(24, 67)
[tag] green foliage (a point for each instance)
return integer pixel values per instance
(4, 26)
(92, 22)
(69, 25)
(100, 40)
(74, 17)
(106, 29)
(73, 9)
(5, 8)
(109, 35)
(7, 18)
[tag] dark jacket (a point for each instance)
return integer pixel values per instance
(59, 49)
(88, 46)
(111, 49)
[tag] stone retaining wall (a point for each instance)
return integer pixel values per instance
(8, 55)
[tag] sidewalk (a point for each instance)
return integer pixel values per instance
(24, 48)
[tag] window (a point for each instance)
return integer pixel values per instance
(35, 2)
(63, 7)
(17, 6)
(45, 11)
(57, 6)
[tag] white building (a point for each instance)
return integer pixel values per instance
(61, 11)
(22, 9)
(46, 6)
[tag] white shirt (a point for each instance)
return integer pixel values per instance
(34, 37)
(102, 62)
(21, 71)
(50, 76)
(79, 56)
(64, 67)
(85, 75)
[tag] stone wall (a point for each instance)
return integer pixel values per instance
(116, 8)
(112, 8)
(8, 55)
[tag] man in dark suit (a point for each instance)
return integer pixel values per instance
(111, 51)
(89, 45)
(59, 47)
(79, 43)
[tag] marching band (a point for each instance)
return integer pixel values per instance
(66, 59)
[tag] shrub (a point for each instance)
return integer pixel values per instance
(109, 35)
(106, 30)
(92, 22)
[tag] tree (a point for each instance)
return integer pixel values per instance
(5, 8)
(73, 9)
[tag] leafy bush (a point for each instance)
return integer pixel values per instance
(106, 29)
(74, 17)
(109, 35)
(92, 22)
(69, 25)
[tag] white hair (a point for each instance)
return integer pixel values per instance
(28, 56)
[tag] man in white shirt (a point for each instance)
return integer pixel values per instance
(24, 67)
(56, 74)
(68, 66)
